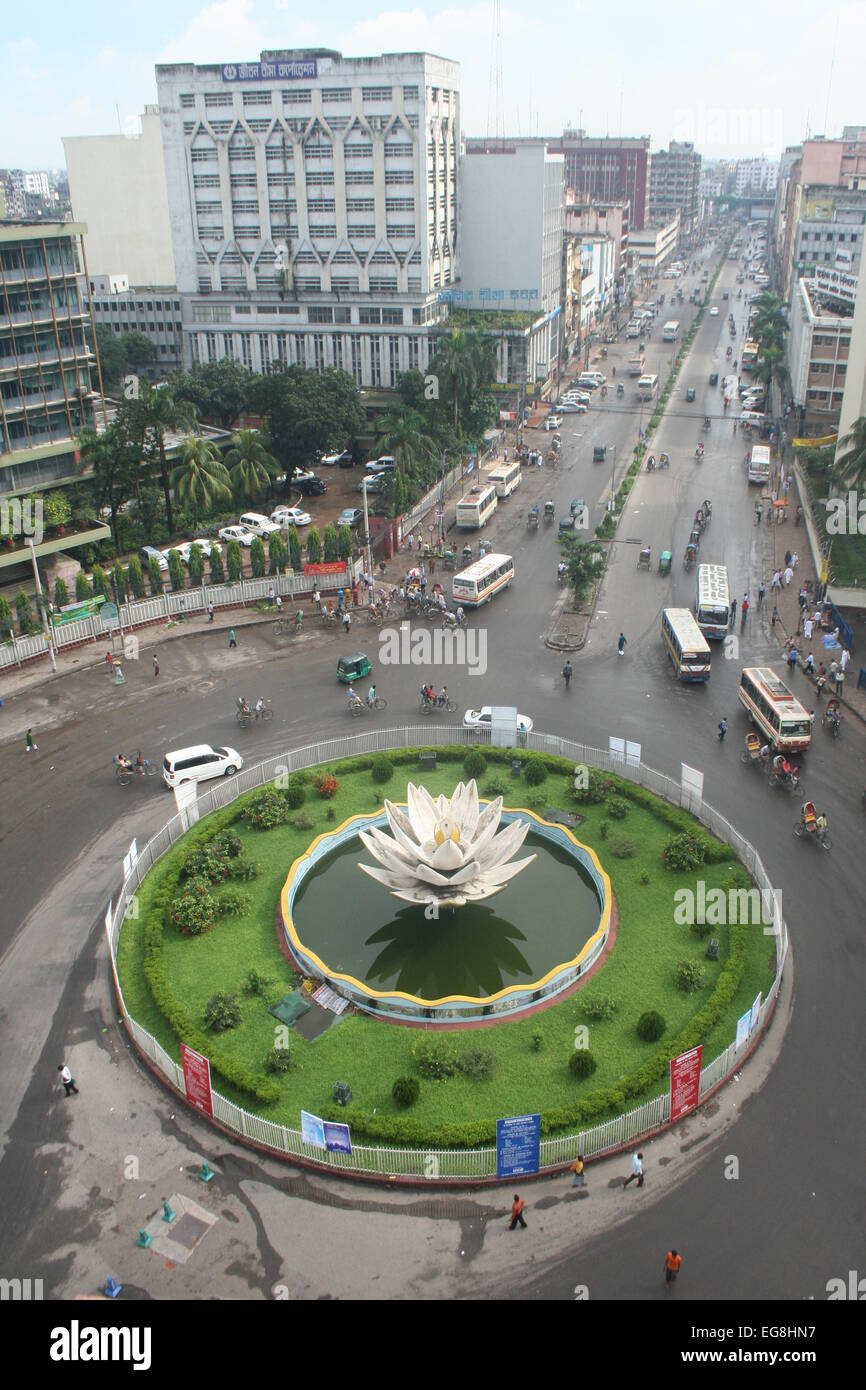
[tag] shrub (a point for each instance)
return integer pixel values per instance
(644, 878)
(537, 1039)
(196, 565)
(136, 577)
(216, 566)
(329, 543)
(61, 593)
(604, 827)
(314, 545)
(154, 576)
(700, 929)
(305, 822)
(233, 903)
(435, 1058)
(278, 556)
(651, 1025)
(537, 801)
(257, 558)
(477, 1063)
(325, 784)
(99, 580)
(581, 1063)
(475, 763)
(330, 814)
(195, 910)
(599, 1007)
(406, 1090)
(234, 562)
(176, 575)
(256, 982)
(222, 1012)
(617, 808)
(82, 586)
(119, 582)
(295, 792)
(535, 770)
(684, 851)
(622, 847)
(6, 616)
(383, 769)
(266, 809)
(689, 975)
(279, 1060)
(496, 786)
(598, 784)
(344, 542)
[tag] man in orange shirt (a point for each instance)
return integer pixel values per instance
(517, 1212)
(672, 1268)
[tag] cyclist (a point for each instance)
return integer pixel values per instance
(260, 704)
(140, 763)
(299, 618)
(122, 762)
(442, 698)
(242, 705)
(371, 696)
(353, 698)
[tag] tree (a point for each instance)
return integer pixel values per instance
(257, 558)
(215, 565)
(771, 365)
(278, 556)
(136, 577)
(582, 564)
(61, 594)
(294, 548)
(119, 582)
(308, 412)
(82, 586)
(196, 565)
(151, 417)
(154, 575)
(404, 437)
(120, 353)
(26, 625)
(5, 618)
(234, 563)
(344, 542)
(99, 580)
(250, 466)
(850, 464)
(219, 391)
(465, 361)
(111, 459)
(201, 478)
(314, 545)
(176, 575)
(329, 542)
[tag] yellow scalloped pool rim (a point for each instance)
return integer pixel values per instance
(480, 1000)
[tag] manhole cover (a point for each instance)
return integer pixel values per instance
(188, 1231)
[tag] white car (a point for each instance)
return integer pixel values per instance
(633, 331)
(481, 719)
(259, 524)
(199, 763)
(572, 408)
(237, 533)
(714, 312)
(578, 397)
(184, 549)
(553, 422)
(290, 516)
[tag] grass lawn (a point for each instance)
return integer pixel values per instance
(531, 1056)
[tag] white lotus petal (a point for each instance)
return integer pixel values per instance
(382, 847)
(397, 816)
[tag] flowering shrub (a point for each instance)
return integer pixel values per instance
(266, 809)
(195, 910)
(325, 784)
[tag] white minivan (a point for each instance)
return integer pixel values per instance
(199, 763)
(259, 525)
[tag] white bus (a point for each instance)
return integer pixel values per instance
(476, 507)
(671, 331)
(505, 478)
(687, 646)
(477, 584)
(759, 464)
(713, 601)
(784, 722)
(647, 387)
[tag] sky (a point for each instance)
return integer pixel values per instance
(737, 79)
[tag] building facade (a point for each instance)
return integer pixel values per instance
(154, 311)
(829, 230)
(755, 176)
(609, 219)
(818, 349)
(608, 171)
(652, 246)
(313, 207)
(675, 186)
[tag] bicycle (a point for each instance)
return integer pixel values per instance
(365, 706)
(126, 771)
(288, 626)
(428, 706)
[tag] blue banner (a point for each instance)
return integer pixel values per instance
(286, 70)
(518, 1142)
(337, 1138)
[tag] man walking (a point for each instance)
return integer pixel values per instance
(567, 672)
(844, 659)
(672, 1268)
(317, 599)
(762, 589)
(517, 1213)
(807, 630)
(621, 643)
(155, 666)
(347, 621)
(636, 1171)
(29, 745)
(210, 612)
(69, 1086)
(233, 641)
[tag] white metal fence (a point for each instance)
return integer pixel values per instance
(430, 1165)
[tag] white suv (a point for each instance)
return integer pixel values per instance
(259, 525)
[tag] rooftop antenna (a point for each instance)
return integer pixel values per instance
(495, 106)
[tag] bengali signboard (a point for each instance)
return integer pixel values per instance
(685, 1081)
(326, 567)
(281, 70)
(838, 284)
(518, 1142)
(196, 1080)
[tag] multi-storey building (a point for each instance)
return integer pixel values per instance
(14, 191)
(818, 348)
(154, 311)
(313, 207)
(829, 230)
(608, 170)
(675, 186)
(608, 219)
(755, 176)
(652, 246)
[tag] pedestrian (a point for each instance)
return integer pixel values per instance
(271, 596)
(423, 583)
(775, 617)
(672, 1268)
(382, 568)
(798, 516)
(816, 619)
(355, 595)
(621, 643)
(340, 597)
(210, 612)
(758, 513)
(279, 604)
(29, 745)
(567, 672)
(844, 659)
(517, 1212)
(792, 657)
(410, 541)
(432, 564)
(786, 487)
(777, 580)
(745, 613)
(109, 661)
(69, 1086)
(807, 630)
(636, 1171)
(347, 621)
(762, 589)
(788, 575)
(787, 558)
(801, 599)
(419, 540)
(577, 1168)
(723, 729)
(794, 560)
(233, 641)
(733, 611)
(155, 666)
(317, 598)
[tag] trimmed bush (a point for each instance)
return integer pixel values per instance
(689, 975)
(435, 1057)
(256, 982)
(496, 786)
(176, 572)
(232, 903)
(599, 1007)
(598, 785)
(326, 785)
(684, 851)
(535, 770)
(406, 1090)
(701, 929)
(296, 792)
(477, 1063)
(216, 567)
(581, 1063)
(537, 1040)
(622, 847)
(154, 576)
(266, 809)
(222, 1012)
(651, 1025)
(279, 1060)
(617, 809)
(194, 912)
(383, 769)
(475, 763)
(257, 558)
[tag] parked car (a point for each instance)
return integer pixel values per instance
(237, 533)
(385, 464)
(312, 486)
(341, 460)
(259, 524)
(186, 546)
(572, 408)
(633, 331)
(148, 553)
(482, 719)
(372, 483)
(350, 516)
(290, 516)
(553, 422)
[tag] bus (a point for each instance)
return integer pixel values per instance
(647, 387)
(477, 584)
(671, 331)
(784, 722)
(505, 478)
(759, 464)
(750, 356)
(687, 646)
(713, 601)
(476, 507)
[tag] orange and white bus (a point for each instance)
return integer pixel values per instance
(784, 722)
(478, 584)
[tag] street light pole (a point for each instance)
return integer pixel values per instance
(49, 634)
(612, 448)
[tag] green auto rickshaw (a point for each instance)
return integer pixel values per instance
(714, 378)
(353, 668)
(690, 393)
(599, 453)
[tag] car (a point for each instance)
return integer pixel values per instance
(237, 533)
(385, 464)
(482, 719)
(372, 483)
(726, 295)
(148, 553)
(312, 486)
(714, 312)
(199, 763)
(344, 459)
(290, 516)
(598, 377)
(580, 397)
(633, 331)
(753, 417)
(183, 550)
(350, 516)
(572, 408)
(259, 524)
(553, 422)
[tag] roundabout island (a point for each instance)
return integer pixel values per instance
(449, 985)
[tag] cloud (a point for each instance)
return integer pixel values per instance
(218, 33)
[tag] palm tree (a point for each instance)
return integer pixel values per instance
(402, 437)
(851, 461)
(465, 359)
(770, 365)
(158, 412)
(250, 465)
(201, 478)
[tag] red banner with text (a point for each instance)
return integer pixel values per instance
(196, 1077)
(685, 1081)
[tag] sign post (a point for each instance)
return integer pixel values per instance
(518, 1145)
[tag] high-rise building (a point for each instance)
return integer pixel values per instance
(818, 348)
(675, 186)
(608, 169)
(313, 207)
(755, 176)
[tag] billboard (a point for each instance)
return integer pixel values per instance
(196, 1080)
(685, 1082)
(838, 284)
(518, 1142)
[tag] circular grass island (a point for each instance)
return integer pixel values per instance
(208, 959)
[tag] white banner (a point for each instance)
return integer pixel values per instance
(186, 800)
(130, 859)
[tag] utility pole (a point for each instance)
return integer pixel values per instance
(368, 549)
(49, 634)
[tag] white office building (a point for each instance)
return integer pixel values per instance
(756, 176)
(313, 205)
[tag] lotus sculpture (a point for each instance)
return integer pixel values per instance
(445, 849)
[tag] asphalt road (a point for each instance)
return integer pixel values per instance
(791, 1221)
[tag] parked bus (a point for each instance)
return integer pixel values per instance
(505, 478)
(749, 357)
(476, 507)
(687, 646)
(647, 387)
(671, 331)
(759, 464)
(784, 722)
(477, 584)
(713, 601)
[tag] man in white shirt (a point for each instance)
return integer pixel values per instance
(636, 1171)
(69, 1086)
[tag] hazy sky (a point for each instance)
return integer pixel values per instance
(735, 78)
